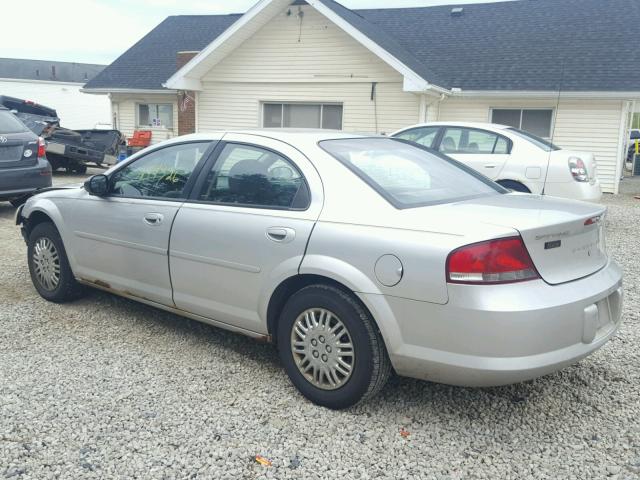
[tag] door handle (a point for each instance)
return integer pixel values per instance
(281, 234)
(153, 219)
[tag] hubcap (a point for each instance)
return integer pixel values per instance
(46, 263)
(322, 348)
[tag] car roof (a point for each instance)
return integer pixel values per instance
(483, 125)
(292, 136)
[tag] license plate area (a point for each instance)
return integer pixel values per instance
(600, 318)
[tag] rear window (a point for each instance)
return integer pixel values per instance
(407, 175)
(545, 145)
(10, 124)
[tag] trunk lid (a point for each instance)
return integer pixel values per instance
(565, 238)
(18, 150)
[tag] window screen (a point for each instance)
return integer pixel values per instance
(302, 115)
(155, 115)
(535, 121)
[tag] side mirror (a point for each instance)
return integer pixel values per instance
(97, 185)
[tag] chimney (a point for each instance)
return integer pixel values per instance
(186, 99)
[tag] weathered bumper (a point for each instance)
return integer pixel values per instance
(16, 182)
(496, 335)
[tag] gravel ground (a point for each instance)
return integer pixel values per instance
(107, 388)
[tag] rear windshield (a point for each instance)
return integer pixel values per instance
(545, 145)
(10, 124)
(408, 175)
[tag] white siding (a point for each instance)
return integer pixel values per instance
(238, 105)
(313, 49)
(313, 62)
(77, 110)
(124, 108)
(581, 124)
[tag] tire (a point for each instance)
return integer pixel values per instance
(370, 365)
(513, 185)
(45, 236)
(80, 169)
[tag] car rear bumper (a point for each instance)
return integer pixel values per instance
(501, 334)
(15, 182)
(585, 191)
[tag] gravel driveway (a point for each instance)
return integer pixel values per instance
(107, 388)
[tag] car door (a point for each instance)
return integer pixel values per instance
(484, 151)
(425, 136)
(244, 230)
(120, 241)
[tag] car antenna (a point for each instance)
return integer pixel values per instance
(553, 130)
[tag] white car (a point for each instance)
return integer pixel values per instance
(515, 159)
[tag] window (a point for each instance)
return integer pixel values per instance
(162, 173)
(537, 141)
(10, 124)
(535, 121)
(252, 176)
(406, 175)
(421, 135)
(471, 141)
(155, 115)
(302, 115)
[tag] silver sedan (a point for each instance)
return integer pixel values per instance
(356, 255)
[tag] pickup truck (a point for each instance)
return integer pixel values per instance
(69, 149)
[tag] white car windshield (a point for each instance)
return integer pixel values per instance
(408, 175)
(545, 145)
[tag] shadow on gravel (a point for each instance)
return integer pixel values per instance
(574, 386)
(7, 210)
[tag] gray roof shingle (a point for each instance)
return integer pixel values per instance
(151, 61)
(523, 45)
(575, 45)
(18, 68)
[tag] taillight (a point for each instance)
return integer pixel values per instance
(505, 260)
(41, 148)
(578, 169)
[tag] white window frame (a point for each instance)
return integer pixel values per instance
(552, 126)
(165, 127)
(283, 103)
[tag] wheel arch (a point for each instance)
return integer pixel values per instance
(291, 285)
(514, 179)
(287, 288)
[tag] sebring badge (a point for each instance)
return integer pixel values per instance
(3, 139)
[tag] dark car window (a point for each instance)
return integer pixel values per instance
(408, 175)
(162, 173)
(10, 124)
(469, 141)
(252, 176)
(424, 136)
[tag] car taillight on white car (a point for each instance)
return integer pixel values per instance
(504, 260)
(578, 169)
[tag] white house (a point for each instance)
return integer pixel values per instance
(57, 85)
(553, 67)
